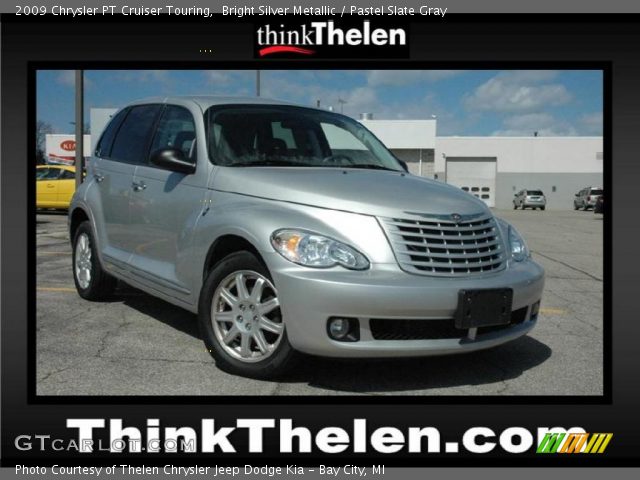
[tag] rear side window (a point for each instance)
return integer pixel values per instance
(103, 149)
(52, 173)
(130, 144)
(176, 129)
(41, 173)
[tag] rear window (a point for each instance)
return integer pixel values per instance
(535, 192)
(596, 191)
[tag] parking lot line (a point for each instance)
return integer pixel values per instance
(56, 289)
(553, 311)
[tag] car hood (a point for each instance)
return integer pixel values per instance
(369, 192)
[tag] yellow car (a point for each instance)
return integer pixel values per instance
(55, 185)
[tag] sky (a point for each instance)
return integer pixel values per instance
(465, 102)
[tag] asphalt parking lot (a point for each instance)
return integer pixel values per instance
(138, 345)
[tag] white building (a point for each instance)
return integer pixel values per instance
(496, 168)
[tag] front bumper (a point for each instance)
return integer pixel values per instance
(309, 297)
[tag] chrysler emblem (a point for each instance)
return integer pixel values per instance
(456, 217)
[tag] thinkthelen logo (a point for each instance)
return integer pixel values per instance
(307, 39)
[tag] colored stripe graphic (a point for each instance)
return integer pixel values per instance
(284, 49)
(574, 443)
(550, 443)
(598, 442)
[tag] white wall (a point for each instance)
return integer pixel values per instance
(397, 134)
(526, 154)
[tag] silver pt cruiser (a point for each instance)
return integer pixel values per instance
(287, 229)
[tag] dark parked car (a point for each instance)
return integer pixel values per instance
(599, 206)
(586, 198)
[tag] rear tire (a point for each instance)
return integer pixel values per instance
(248, 336)
(92, 282)
(542, 208)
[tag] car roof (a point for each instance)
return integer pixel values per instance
(206, 101)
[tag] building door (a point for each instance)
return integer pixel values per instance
(476, 175)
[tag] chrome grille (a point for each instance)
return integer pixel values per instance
(437, 245)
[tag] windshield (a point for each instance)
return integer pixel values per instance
(534, 192)
(596, 191)
(273, 135)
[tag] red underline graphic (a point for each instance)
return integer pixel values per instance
(284, 48)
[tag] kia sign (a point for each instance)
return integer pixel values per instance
(62, 148)
(68, 145)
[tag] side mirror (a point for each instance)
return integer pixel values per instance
(172, 159)
(404, 165)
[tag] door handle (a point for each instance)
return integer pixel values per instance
(99, 178)
(138, 186)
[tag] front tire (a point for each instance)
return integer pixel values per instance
(240, 318)
(92, 282)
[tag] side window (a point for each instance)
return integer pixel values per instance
(176, 129)
(52, 174)
(67, 175)
(103, 149)
(285, 134)
(41, 173)
(130, 144)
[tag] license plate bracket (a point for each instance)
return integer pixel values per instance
(483, 308)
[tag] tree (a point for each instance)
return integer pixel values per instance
(42, 130)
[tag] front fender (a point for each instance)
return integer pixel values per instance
(255, 219)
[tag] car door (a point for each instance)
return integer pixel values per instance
(166, 204)
(66, 187)
(121, 149)
(47, 188)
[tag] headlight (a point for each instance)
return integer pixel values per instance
(314, 250)
(516, 244)
(519, 249)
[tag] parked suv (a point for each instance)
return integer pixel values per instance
(290, 229)
(586, 198)
(530, 199)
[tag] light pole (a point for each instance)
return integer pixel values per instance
(79, 126)
(341, 102)
(257, 83)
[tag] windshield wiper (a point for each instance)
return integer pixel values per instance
(371, 166)
(268, 163)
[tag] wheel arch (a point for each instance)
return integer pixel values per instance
(77, 216)
(225, 245)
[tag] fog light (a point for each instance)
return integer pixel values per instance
(343, 329)
(535, 308)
